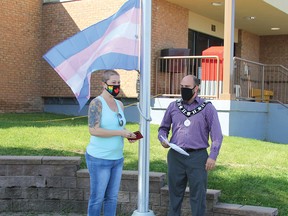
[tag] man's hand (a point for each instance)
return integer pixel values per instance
(210, 164)
(165, 145)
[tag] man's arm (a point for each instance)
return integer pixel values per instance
(165, 126)
(215, 134)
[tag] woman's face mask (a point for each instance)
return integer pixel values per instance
(114, 90)
(187, 93)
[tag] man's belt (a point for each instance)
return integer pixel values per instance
(194, 150)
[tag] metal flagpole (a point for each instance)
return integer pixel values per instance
(144, 109)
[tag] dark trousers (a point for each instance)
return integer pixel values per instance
(183, 169)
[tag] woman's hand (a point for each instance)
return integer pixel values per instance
(128, 134)
(131, 141)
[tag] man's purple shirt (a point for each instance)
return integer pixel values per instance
(196, 135)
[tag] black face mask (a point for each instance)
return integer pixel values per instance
(187, 93)
(114, 90)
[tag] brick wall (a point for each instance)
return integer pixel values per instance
(57, 184)
(274, 50)
(29, 29)
(20, 55)
(169, 30)
(248, 46)
(271, 49)
(61, 21)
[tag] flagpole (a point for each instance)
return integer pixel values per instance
(144, 106)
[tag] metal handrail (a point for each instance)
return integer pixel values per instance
(266, 74)
(258, 76)
(192, 62)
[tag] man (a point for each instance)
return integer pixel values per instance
(192, 120)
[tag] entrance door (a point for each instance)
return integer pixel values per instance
(197, 43)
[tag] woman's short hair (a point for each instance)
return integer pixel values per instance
(107, 74)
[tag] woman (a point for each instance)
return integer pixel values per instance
(104, 154)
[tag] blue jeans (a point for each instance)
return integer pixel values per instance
(105, 178)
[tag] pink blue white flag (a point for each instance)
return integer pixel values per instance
(112, 43)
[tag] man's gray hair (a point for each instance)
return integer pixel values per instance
(196, 81)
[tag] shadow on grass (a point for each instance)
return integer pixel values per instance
(41, 152)
(39, 120)
(155, 165)
(250, 189)
(9, 120)
(238, 187)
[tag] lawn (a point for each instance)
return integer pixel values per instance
(248, 171)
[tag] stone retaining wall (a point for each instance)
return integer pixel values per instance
(57, 184)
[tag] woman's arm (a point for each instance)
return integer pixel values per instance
(94, 119)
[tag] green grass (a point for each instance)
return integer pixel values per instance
(248, 172)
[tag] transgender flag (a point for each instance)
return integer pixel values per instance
(112, 43)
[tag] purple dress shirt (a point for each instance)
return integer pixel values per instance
(196, 135)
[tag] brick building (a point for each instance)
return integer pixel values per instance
(29, 28)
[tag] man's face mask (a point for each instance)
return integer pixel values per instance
(187, 93)
(114, 90)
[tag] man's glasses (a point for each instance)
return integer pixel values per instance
(120, 119)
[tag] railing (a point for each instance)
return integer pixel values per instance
(251, 80)
(171, 70)
(260, 82)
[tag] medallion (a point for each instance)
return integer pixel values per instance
(187, 122)
(191, 112)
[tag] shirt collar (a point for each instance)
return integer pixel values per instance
(196, 100)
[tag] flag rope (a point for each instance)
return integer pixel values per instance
(78, 117)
